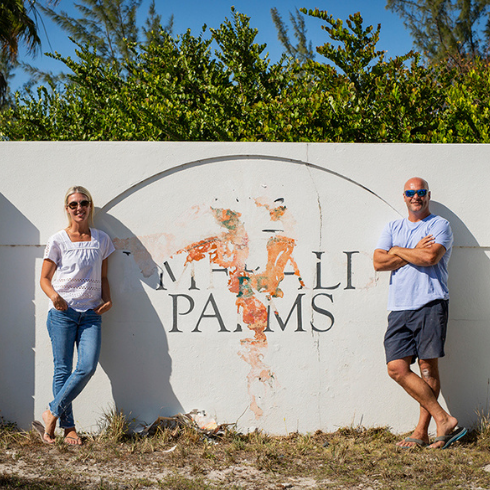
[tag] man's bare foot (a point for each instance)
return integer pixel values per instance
(410, 442)
(49, 426)
(444, 430)
(418, 438)
(72, 438)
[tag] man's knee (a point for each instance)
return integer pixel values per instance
(429, 369)
(398, 369)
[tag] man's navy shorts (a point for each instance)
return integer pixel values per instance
(417, 333)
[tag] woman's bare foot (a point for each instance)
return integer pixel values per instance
(49, 426)
(72, 438)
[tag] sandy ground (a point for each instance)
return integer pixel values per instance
(47, 464)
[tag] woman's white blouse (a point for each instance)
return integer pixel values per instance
(78, 268)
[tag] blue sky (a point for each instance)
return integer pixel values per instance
(394, 37)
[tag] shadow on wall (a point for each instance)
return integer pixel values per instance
(18, 254)
(465, 371)
(134, 353)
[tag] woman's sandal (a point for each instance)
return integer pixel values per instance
(72, 438)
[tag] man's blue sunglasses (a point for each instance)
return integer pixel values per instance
(420, 193)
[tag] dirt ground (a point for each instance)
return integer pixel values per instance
(183, 460)
(49, 467)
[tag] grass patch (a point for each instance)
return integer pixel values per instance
(183, 458)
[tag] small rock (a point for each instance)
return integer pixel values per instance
(487, 468)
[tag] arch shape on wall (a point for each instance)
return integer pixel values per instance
(197, 163)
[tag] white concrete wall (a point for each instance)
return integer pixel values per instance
(171, 346)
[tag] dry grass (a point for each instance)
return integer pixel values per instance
(183, 459)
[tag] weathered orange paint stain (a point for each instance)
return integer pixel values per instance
(230, 250)
(275, 213)
(279, 251)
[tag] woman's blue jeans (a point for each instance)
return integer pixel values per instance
(67, 329)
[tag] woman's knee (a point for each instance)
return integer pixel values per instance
(86, 369)
(62, 371)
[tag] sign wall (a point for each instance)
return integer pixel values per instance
(242, 279)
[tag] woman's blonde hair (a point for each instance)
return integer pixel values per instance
(80, 190)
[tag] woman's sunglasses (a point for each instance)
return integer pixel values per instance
(74, 204)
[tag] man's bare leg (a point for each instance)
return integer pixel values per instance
(49, 426)
(424, 391)
(421, 431)
(429, 372)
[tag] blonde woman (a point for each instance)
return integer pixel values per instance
(74, 277)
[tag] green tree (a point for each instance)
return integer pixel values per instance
(109, 26)
(16, 26)
(178, 89)
(153, 24)
(303, 50)
(174, 89)
(441, 29)
(6, 67)
(370, 99)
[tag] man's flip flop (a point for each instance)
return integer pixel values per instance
(451, 438)
(39, 428)
(418, 442)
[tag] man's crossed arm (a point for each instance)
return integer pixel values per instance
(425, 253)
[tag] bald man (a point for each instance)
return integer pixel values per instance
(416, 251)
